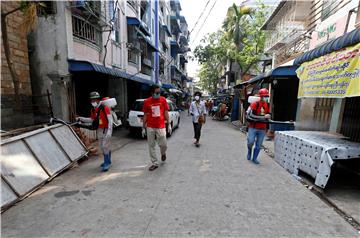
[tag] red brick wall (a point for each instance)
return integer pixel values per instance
(18, 50)
(19, 53)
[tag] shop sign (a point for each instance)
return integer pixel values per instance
(335, 75)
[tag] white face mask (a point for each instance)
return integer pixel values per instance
(94, 104)
(197, 98)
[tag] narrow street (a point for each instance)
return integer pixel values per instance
(208, 191)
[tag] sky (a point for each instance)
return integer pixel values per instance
(191, 10)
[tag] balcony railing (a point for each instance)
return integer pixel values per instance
(86, 31)
(291, 51)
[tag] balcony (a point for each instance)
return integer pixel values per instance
(285, 35)
(85, 30)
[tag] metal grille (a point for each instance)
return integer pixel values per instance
(322, 113)
(85, 30)
(350, 126)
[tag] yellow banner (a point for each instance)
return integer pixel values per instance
(335, 75)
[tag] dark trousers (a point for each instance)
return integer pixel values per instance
(197, 130)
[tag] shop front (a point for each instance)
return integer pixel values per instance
(328, 73)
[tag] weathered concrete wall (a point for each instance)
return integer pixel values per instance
(49, 45)
(11, 118)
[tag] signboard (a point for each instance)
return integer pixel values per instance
(335, 75)
(327, 30)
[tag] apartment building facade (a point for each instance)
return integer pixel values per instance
(298, 29)
(118, 48)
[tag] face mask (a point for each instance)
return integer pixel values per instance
(156, 95)
(197, 98)
(266, 99)
(94, 104)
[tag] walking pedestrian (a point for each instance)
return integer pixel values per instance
(156, 115)
(198, 112)
(258, 111)
(101, 120)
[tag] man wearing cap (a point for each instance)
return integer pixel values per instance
(101, 113)
(258, 111)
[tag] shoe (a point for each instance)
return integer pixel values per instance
(163, 157)
(102, 165)
(106, 164)
(256, 153)
(153, 167)
(249, 154)
(255, 161)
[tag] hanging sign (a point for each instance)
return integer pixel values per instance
(335, 75)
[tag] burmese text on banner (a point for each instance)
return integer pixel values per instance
(335, 75)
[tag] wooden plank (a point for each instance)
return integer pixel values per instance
(69, 141)
(7, 194)
(20, 168)
(48, 152)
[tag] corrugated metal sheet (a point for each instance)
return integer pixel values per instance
(7, 194)
(49, 154)
(29, 160)
(20, 168)
(71, 144)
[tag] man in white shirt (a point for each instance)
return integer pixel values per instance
(198, 112)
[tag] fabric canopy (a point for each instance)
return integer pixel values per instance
(85, 66)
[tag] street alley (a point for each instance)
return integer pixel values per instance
(208, 191)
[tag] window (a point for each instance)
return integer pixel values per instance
(146, 59)
(85, 30)
(162, 67)
(46, 8)
(115, 35)
(328, 8)
(138, 106)
(172, 107)
(153, 26)
(133, 45)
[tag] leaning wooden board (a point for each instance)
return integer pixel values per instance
(31, 159)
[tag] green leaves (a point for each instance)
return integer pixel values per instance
(239, 40)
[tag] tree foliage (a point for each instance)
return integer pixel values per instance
(240, 40)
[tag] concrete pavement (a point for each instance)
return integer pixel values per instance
(208, 191)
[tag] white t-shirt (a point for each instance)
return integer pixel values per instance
(197, 109)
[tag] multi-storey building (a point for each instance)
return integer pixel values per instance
(118, 48)
(179, 46)
(300, 32)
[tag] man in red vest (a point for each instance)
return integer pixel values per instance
(258, 111)
(104, 123)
